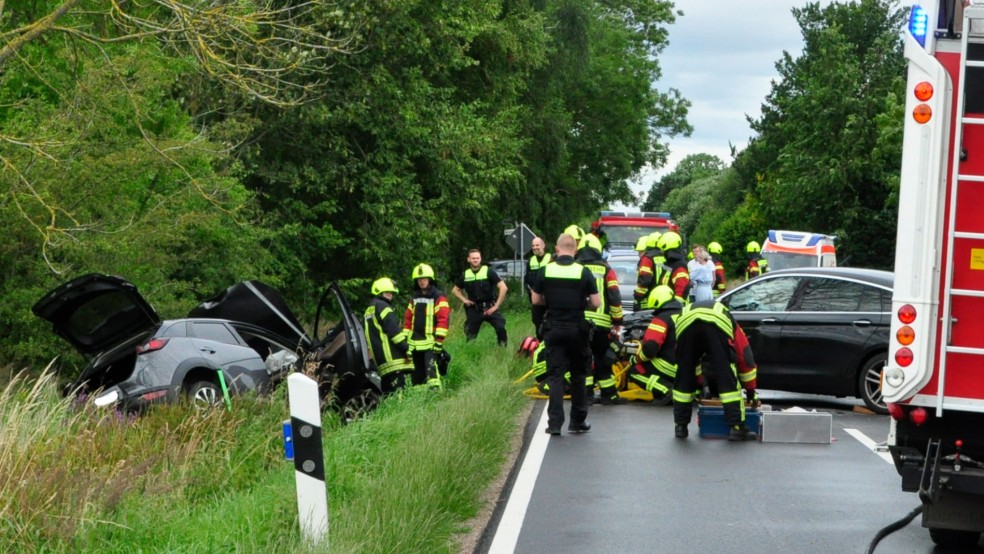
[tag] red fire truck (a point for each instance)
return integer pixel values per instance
(622, 229)
(934, 379)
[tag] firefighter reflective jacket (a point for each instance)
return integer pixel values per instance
(427, 318)
(606, 281)
(651, 272)
(720, 283)
(717, 314)
(658, 350)
(756, 266)
(387, 341)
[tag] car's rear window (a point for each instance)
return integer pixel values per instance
(105, 315)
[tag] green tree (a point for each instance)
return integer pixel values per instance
(811, 165)
(692, 168)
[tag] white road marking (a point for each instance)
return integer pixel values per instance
(507, 533)
(869, 444)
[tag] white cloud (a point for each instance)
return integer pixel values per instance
(722, 57)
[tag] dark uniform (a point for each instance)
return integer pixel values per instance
(651, 272)
(565, 286)
(655, 365)
(480, 286)
(708, 329)
(602, 320)
(537, 310)
(387, 344)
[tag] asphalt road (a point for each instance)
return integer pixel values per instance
(630, 486)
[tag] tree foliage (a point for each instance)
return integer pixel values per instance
(188, 146)
(826, 158)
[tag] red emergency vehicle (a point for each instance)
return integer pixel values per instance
(623, 229)
(934, 380)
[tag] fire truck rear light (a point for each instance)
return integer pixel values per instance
(903, 357)
(151, 345)
(922, 113)
(907, 314)
(918, 416)
(905, 335)
(894, 377)
(923, 91)
(895, 411)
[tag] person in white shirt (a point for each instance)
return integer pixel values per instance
(701, 275)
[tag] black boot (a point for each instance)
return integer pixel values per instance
(741, 433)
(582, 427)
(681, 431)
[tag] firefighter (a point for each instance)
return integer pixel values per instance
(720, 284)
(708, 330)
(538, 260)
(387, 341)
(671, 243)
(482, 302)
(651, 271)
(606, 320)
(426, 322)
(563, 286)
(757, 265)
(654, 366)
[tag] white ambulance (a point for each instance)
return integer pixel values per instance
(786, 249)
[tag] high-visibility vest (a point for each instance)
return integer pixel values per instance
(601, 316)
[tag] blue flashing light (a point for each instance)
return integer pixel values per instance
(918, 24)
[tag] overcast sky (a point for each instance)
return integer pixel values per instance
(722, 56)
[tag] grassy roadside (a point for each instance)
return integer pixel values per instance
(406, 479)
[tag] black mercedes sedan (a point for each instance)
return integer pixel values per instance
(821, 330)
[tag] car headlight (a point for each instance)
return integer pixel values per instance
(107, 398)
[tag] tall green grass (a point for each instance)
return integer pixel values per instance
(405, 479)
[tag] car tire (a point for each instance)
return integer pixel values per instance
(360, 405)
(204, 394)
(869, 383)
(952, 538)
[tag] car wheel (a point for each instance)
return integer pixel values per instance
(204, 394)
(869, 383)
(952, 538)
(360, 405)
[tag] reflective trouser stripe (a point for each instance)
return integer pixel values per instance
(683, 397)
(665, 367)
(651, 382)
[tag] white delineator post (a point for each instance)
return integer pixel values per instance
(309, 459)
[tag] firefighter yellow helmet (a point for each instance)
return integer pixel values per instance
(715, 248)
(753, 247)
(640, 245)
(590, 241)
(669, 240)
(423, 270)
(575, 231)
(652, 239)
(384, 284)
(658, 296)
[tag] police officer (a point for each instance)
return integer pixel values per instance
(387, 341)
(708, 330)
(720, 283)
(482, 301)
(606, 320)
(426, 323)
(757, 265)
(563, 286)
(538, 261)
(655, 364)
